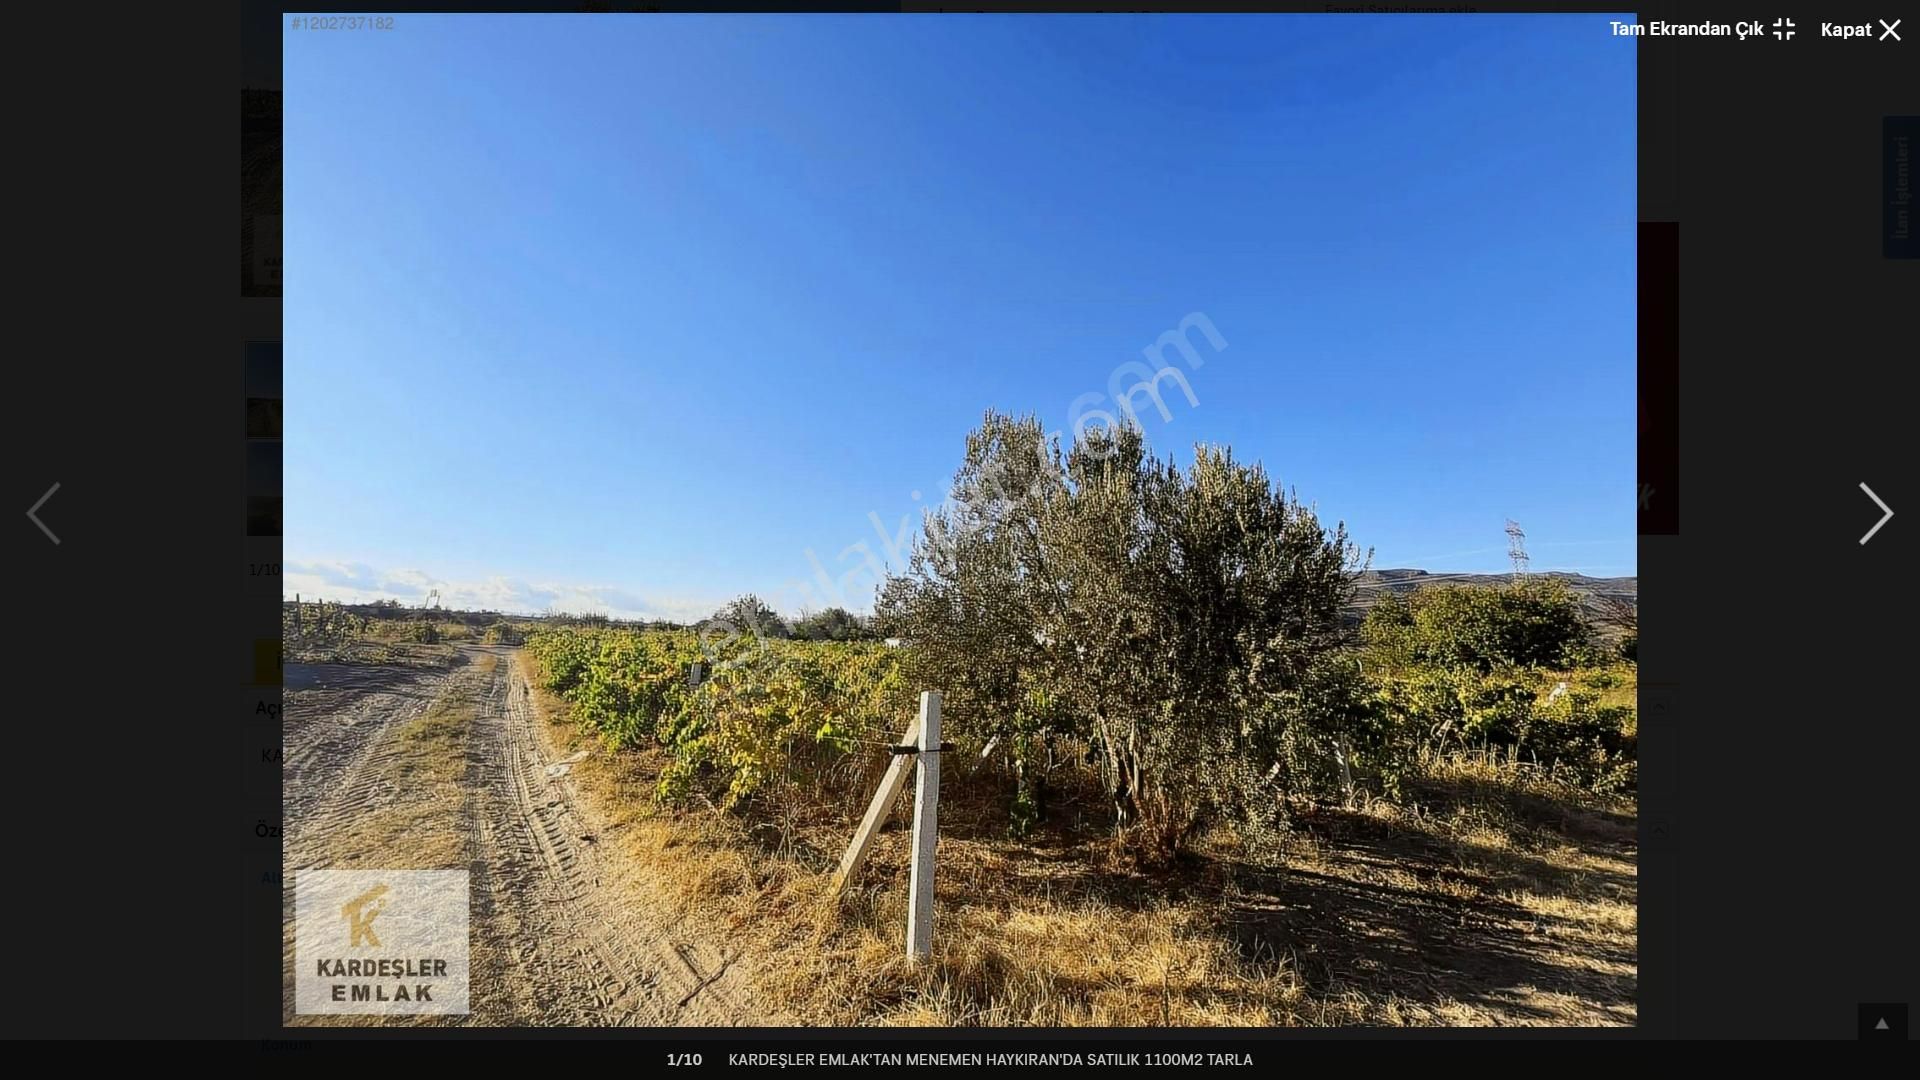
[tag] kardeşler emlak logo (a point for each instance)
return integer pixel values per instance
(360, 912)
(380, 942)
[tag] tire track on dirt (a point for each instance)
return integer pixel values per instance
(631, 970)
(336, 723)
(531, 893)
(560, 932)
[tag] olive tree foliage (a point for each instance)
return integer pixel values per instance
(746, 615)
(1164, 615)
(963, 607)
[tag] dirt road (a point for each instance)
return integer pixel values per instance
(404, 768)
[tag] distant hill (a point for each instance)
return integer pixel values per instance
(1601, 597)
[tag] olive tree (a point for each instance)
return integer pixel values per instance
(1107, 593)
(965, 604)
(747, 614)
(832, 624)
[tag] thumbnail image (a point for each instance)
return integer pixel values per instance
(263, 468)
(260, 188)
(263, 418)
(1097, 521)
(263, 387)
(264, 515)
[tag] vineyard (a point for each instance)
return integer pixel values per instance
(759, 719)
(739, 717)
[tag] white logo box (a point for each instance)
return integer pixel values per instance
(380, 942)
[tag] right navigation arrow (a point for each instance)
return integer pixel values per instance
(1886, 513)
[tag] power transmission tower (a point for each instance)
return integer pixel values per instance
(1517, 548)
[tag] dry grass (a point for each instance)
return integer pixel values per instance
(426, 773)
(1487, 899)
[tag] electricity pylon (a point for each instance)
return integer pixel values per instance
(1517, 548)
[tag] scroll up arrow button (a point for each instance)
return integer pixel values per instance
(43, 525)
(1886, 512)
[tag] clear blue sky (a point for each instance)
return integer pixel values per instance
(635, 312)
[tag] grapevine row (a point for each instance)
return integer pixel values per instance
(732, 715)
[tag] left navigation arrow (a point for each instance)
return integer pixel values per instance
(33, 510)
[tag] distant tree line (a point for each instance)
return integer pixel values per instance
(749, 615)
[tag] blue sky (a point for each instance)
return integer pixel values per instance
(636, 313)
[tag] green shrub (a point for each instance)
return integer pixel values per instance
(1583, 743)
(1334, 712)
(1533, 622)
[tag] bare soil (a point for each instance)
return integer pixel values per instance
(408, 767)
